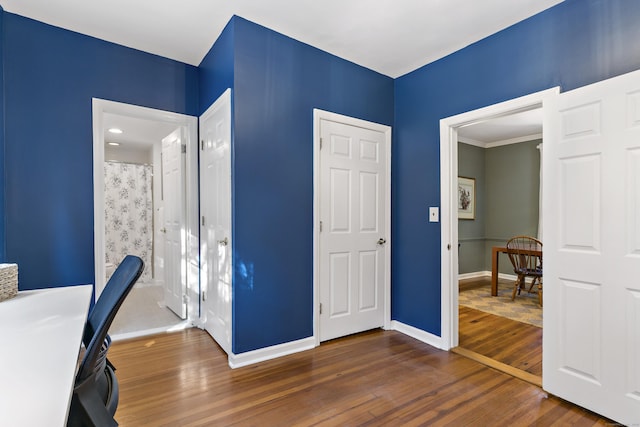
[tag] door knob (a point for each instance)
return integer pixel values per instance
(223, 242)
(381, 241)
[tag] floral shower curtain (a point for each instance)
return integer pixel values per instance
(128, 213)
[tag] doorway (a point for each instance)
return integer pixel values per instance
(450, 128)
(500, 162)
(133, 205)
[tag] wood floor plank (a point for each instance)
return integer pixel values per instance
(377, 378)
(503, 367)
(510, 342)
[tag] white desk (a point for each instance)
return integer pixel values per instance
(40, 336)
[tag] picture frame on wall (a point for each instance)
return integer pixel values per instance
(466, 198)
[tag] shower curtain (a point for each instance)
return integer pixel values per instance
(128, 213)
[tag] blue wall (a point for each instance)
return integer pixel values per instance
(2, 155)
(570, 45)
(278, 83)
(215, 72)
(50, 76)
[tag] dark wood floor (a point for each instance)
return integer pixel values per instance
(516, 344)
(377, 378)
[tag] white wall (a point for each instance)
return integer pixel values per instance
(128, 154)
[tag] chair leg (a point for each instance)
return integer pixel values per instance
(516, 287)
(533, 282)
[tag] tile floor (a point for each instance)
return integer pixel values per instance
(143, 312)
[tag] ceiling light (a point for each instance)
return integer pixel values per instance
(115, 144)
(115, 130)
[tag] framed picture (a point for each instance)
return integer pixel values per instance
(466, 198)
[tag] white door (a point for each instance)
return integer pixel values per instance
(353, 235)
(591, 344)
(158, 241)
(215, 225)
(173, 190)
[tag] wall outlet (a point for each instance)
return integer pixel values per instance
(433, 214)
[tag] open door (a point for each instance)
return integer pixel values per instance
(591, 342)
(215, 223)
(173, 193)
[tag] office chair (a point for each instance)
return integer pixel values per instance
(525, 254)
(95, 394)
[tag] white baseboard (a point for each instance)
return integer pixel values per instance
(268, 353)
(474, 275)
(273, 352)
(147, 284)
(419, 334)
(480, 274)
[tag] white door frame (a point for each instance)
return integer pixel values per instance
(99, 108)
(319, 115)
(448, 199)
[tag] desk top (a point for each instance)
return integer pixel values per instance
(41, 333)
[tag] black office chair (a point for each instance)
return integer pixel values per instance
(96, 392)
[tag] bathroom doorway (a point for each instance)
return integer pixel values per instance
(137, 208)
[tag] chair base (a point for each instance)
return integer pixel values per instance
(95, 401)
(519, 286)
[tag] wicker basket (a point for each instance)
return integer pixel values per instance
(8, 281)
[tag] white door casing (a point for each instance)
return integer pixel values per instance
(173, 192)
(591, 344)
(215, 225)
(449, 201)
(354, 225)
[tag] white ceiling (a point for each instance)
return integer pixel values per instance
(136, 132)
(389, 36)
(517, 127)
(392, 37)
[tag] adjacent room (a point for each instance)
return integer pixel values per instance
(499, 172)
(134, 217)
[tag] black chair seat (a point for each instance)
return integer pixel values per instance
(529, 272)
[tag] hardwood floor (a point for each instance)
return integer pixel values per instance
(377, 378)
(516, 344)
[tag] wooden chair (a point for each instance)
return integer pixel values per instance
(525, 254)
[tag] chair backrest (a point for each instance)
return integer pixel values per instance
(104, 311)
(521, 251)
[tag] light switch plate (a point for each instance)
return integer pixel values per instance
(433, 214)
